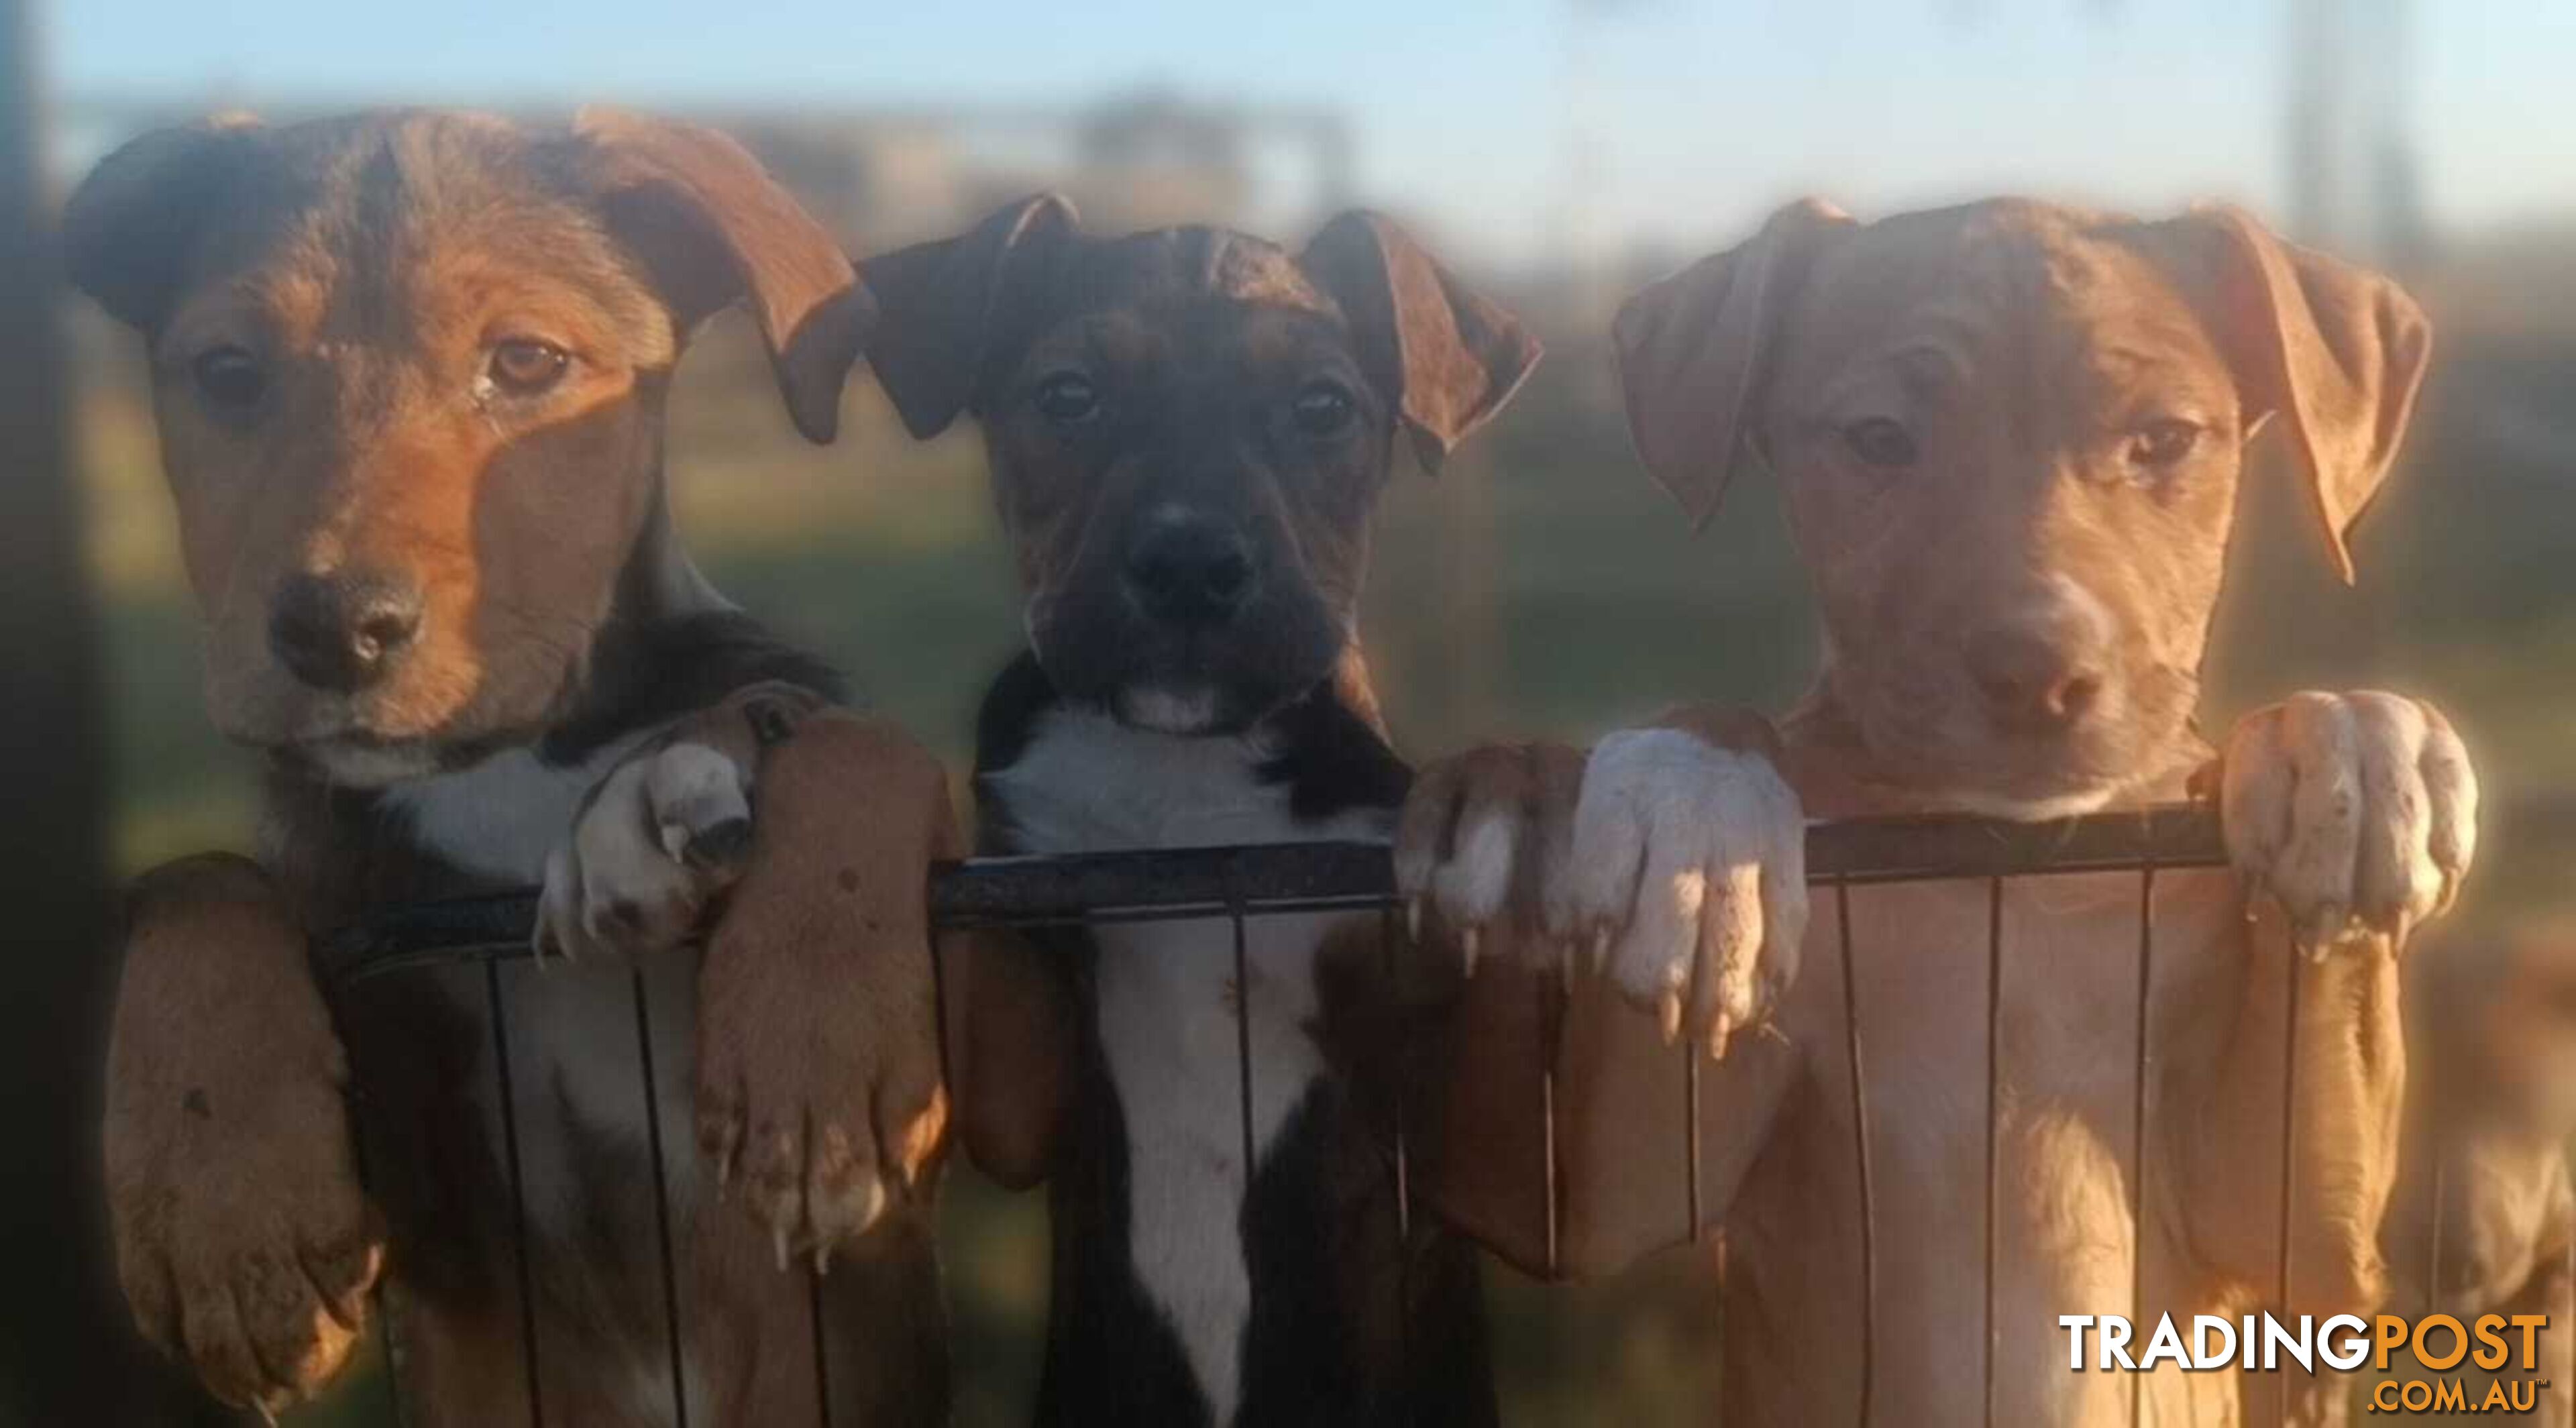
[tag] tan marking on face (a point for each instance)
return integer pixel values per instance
(386, 446)
(2024, 353)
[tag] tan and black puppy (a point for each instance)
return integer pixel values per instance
(409, 372)
(2010, 437)
(1188, 432)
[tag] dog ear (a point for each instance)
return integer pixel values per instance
(2336, 350)
(715, 229)
(939, 302)
(1694, 351)
(1449, 356)
(127, 228)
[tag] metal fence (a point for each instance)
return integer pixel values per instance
(1241, 883)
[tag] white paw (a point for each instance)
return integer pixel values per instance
(1475, 835)
(1687, 880)
(2357, 812)
(661, 835)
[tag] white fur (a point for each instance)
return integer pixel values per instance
(573, 1052)
(2358, 812)
(1694, 859)
(1087, 783)
(1470, 887)
(498, 819)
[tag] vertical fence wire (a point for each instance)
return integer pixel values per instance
(822, 1351)
(1243, 1031)
(2434, 1229)
(662, 1204)
(396, 1412)
(2298, 961)
(2138, 1126)
(1690, 1135)
(1392, 956)
(496, 1003)
(1994, 1090)
(1860, 1154)
(1236, 905)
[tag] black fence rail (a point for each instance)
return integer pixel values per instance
(1236, 884)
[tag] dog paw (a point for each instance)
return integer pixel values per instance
(820, 1098)
(665, 833)
(1687, 880)
(244, 1245)
(2356, 812)
(1477, 833)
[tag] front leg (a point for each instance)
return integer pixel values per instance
(2351, 819)
(245, 1246)
(1669, 861)
(797, 839)
(821, 1094)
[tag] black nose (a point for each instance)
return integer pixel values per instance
(2034, 682)
(1192, 571)
(341, 632)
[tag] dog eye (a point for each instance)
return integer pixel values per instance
(1068, 398)
(230, 377)
(2162, 443)
(524, 366)
(1881, 441)
(1322, 408)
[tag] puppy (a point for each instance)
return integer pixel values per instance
(409, 372)
(2483, 1213)
(2010, 435)
(1188, 431)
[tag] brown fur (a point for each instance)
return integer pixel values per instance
(2015, 614)
(372, 269)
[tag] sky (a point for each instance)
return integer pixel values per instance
(1697, 116)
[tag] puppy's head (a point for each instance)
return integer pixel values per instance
(1188, 431)
(408, 371)
(2010, 435)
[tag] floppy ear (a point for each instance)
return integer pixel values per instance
(127, 228)
(716, 229)
(940, 301)
(1695, 350)
(2337, 350)
(1449, 357)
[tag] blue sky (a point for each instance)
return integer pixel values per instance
(1703, 114)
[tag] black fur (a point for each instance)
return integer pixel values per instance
(1319, 1222)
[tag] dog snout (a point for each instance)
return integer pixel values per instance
(343, 631)
(2034, 680)
(1191, 571)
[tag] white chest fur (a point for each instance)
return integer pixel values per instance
(573, 1043)
(1167, 1008)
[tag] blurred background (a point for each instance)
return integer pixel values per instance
(1560, 153)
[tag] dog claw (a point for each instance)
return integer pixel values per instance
(1413, 919)
(1600, 949)
(822, 1260)
(1670, 1016)
(778, 1240)
(1470, 948)
(1719, 1034)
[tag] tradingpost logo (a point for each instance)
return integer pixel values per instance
(2438, 1345)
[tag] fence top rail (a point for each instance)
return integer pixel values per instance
(1162, 884)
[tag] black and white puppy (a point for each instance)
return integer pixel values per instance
(1188, 431)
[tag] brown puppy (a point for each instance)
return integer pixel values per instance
(2011, 436)
(1188, 432)
(409, 374)
(2483, 1215)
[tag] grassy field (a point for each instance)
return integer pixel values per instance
(1539, 585)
